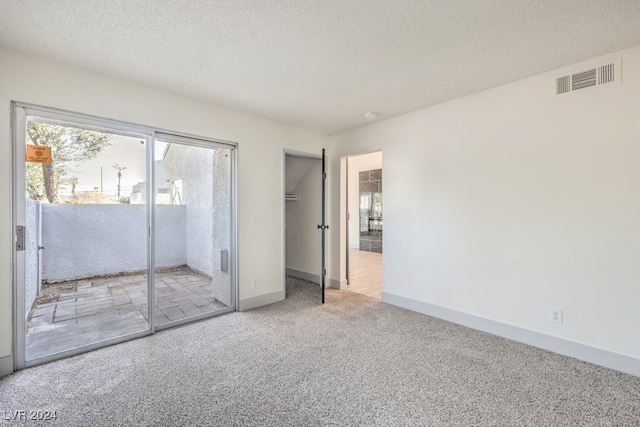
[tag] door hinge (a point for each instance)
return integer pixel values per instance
(324, 175)
(324, 272)
(19, 237)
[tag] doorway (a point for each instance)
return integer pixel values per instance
(303, 215)
(121, 231)
(364, 231)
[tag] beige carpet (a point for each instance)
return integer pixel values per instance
(352, 361)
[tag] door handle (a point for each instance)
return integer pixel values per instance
(323, 227)
(19, 237)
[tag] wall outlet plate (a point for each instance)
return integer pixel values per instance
(555, 315)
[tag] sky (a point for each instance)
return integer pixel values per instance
(124, 151)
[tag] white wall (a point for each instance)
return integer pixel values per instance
(358, 164)
(504, 203)
(260, 162)
(295, 169)
(303, 239)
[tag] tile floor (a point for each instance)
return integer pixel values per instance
(365, 273)
(76, 313)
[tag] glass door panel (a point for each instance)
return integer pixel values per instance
(193, 277)
(85, 256)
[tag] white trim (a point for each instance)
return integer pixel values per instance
(598, 356)
(312, 277)
(6, 366)
(19, 113)
(343, 208)
(101, 124)
(304, 155)
(338, 284)
(18, 215)
(301, 154)
(260, 300)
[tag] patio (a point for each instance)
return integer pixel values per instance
(71, 314)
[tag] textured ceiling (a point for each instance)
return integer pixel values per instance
(321, 64)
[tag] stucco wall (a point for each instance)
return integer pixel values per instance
(31, 256)
(206, 193)
(194, 165)
(91, 240)
(171, 246)
(221, 224)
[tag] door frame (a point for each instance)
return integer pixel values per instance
(345, 192)
(299, 154)
(19, 113)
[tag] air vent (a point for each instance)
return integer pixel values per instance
(606, 73)
(583, 79)
(563, 85)
(595, 76)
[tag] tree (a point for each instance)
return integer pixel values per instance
(74, 182)
(35, 182)
(68, 145)
(119, 169)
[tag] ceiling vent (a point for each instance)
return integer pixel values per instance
(594, 76)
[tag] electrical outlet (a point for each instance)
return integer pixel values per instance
(254, 222)
(254, 282)
(555, 315)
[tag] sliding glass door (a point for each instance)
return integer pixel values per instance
(120, 230)
(193, 229)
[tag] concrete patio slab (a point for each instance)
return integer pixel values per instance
(72, 314)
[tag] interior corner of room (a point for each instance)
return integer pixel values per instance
(510, 209)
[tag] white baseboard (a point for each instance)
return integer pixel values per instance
(312, 277)
(608, 359)
(6, 366)
(338, 284)
(260, 300)
(315, 278)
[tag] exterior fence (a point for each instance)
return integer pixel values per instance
(32, 256)
(95, 240)
(88, 240)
